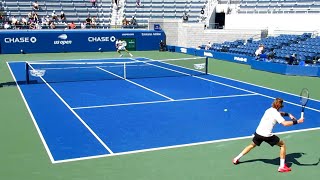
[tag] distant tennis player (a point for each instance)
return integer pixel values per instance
(264, 132)
(121, 46)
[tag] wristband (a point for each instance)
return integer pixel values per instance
(295, 122)
(286, 114)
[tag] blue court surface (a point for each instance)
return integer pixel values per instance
(83, 118)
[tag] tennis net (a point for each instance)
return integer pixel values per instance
(90, 70)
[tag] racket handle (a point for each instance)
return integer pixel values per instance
(302, 114)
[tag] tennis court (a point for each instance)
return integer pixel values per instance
(169, 110)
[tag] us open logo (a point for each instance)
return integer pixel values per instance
(63, 40)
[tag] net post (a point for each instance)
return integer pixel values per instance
(207, 65)
(27, 73)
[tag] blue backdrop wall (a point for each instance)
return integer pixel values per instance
(50, 41)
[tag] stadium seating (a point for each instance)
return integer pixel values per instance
(306, 48)
(163, 9)
(75, 10)
(279, 6)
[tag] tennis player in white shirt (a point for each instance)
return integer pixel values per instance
(121, 46)
(264, 132)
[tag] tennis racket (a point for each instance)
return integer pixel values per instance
(304, 97)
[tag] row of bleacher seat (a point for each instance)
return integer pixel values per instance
(279, 6)
(164, 9)
(306, 47)
(75, 10)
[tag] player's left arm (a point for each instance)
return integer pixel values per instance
(287, 114)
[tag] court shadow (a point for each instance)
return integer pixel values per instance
(291, 158)
(9, 84)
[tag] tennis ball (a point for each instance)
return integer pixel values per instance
(225, 110)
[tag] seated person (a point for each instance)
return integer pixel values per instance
(185, 17)
(292, 60)
(62, 17)
(259, 51)
(208, 46)
(163, 46)
(35, 5)
(133, 21)
(72, 25)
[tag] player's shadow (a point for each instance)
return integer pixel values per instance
(291, 158)
(9, 84)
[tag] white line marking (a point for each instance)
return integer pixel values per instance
(156, 102)
(175, 146)
(32, 117)
(317, 110)
(80, 119)
(261, 86)
(136, 84)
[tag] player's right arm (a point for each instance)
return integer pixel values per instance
(290, 123)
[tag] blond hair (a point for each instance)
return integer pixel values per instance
(277, 103)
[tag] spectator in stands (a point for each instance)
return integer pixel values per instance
(62, 17)
(24, 22)
(37, 25)
(83, 25)
(35, 5)
(52, 25)
(138, 3)
(93, 3)
(54, 15)
(14, 22)
(125, 21)
(185, 17)
(259, 51)
(72, 25)
(202, 16)
(30, 15)
(35, 17)
(271, 54)
(208, 46)
(133, 21)
(292, 60)
(94, 22)
(88, 21)
(6, 25)
(202, 11)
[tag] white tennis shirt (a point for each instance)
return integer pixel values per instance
(269, 119)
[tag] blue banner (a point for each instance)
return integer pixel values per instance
(49, 41)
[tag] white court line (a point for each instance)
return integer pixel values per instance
(295, 104)
(234, 87)
(202, 142)
(79, 118)
(136, 84)
(261, 86)
(165, 101)
(32, 117)
(175, 146)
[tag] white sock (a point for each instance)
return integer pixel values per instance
(239, 156)
(282, 162)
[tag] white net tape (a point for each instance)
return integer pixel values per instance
(37, 72)
(200, 66)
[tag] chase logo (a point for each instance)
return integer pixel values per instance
(20, 40)
(63, 36)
